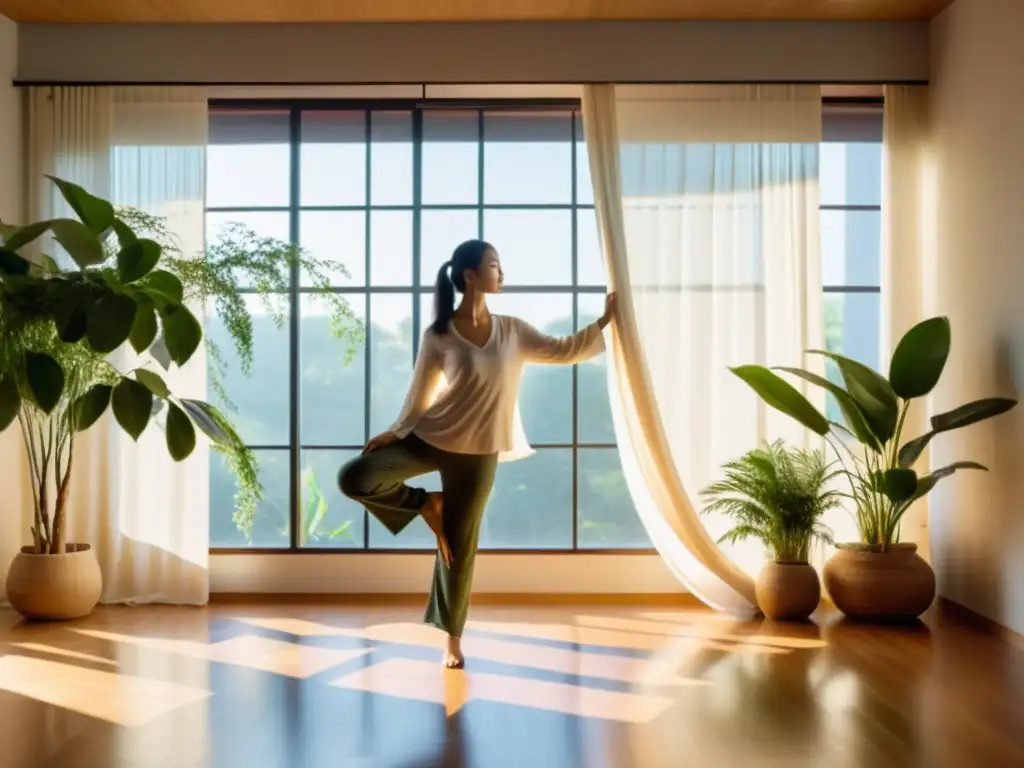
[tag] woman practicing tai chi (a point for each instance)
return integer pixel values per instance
(459, 415)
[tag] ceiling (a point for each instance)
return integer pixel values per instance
(199, 11)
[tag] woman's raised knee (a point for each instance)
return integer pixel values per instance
(355, 478)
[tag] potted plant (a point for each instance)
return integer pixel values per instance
(778, 495)
(57, 329)
(880, 578)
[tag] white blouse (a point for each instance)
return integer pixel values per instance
(463, 397)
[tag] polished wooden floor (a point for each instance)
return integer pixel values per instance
(589, 687)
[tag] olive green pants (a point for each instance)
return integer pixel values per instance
(377, 481)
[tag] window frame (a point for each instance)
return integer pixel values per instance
(295, 447)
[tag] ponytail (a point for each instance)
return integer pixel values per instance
(444, 299)
(451, 278)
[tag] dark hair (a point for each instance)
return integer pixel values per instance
(451, 278)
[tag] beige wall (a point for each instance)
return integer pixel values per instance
(483, 53)
(977, 520)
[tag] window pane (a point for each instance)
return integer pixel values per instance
(851, 247)
(333, 158)
(607, 515)
(271, 521)
(851, 174)
(590, 264)
(531, 504)
(327, 519)
(545, 395)
(390, 357)
(338, 237)
(451, 158)
(333, 392)
(248, 159)
(584, 185)
(527, 157)
(261, 406)
(391, 158)
(535, 246)
(391, 248)
(262, 223)
(852, 328)
(440, 232)
(416, 535)
(594, 423)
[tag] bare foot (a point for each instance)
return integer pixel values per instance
(453, 658)
(432, 514)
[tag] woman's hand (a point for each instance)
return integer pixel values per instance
(383, 440)
(610, 304)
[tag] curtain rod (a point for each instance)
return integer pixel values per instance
(21, 83)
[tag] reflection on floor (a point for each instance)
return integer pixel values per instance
(308, 685)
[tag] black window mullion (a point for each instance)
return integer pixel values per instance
(417, 217)
(480, 175)
(368, 333)
(575, 327)
(295, 340)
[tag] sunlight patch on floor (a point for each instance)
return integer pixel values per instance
(792, 639)
(250, 651)
(115, 698)
(54, 650)
(427, 681)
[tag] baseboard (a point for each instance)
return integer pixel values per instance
(511, 599)
(961, 614)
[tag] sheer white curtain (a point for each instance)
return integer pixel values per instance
(707, 200)
(908, 248)
(146, 516)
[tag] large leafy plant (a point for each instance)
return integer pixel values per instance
(57, 328)
(778, 495)
(883, 481)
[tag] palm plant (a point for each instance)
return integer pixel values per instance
(778, 495)
(883, 482)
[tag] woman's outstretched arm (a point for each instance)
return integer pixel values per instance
(537, 347)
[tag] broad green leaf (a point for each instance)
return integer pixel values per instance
(182, 332)
(95, 213)
(132, 404)
(125, 236)
(13, 264)
(71, 321)
(137, 260)
(851, 411)
(110, 322)
(927, 482)
(181, 435)
(206, 418)
(166, 283)
(964, 416)
(911, 451)
(144, 327)
(45, 380)
(79, 241)
(971, 413)
(871, 392)
(25, 235)
(90, 406)
(920, 357)
(154, 382)
(899, 484)
(10, 401)
(782, 396)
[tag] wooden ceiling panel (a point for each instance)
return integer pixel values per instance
(207, 11)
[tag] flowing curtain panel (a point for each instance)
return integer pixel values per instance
(146, 516)
(707, 201)
(908, 249)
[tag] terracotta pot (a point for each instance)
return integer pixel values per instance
(869, 585)
(788, 591)
(55, 586)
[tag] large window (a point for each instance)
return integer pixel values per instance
(388, 190)
(851, 234)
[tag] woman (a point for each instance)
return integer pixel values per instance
(459, 416)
